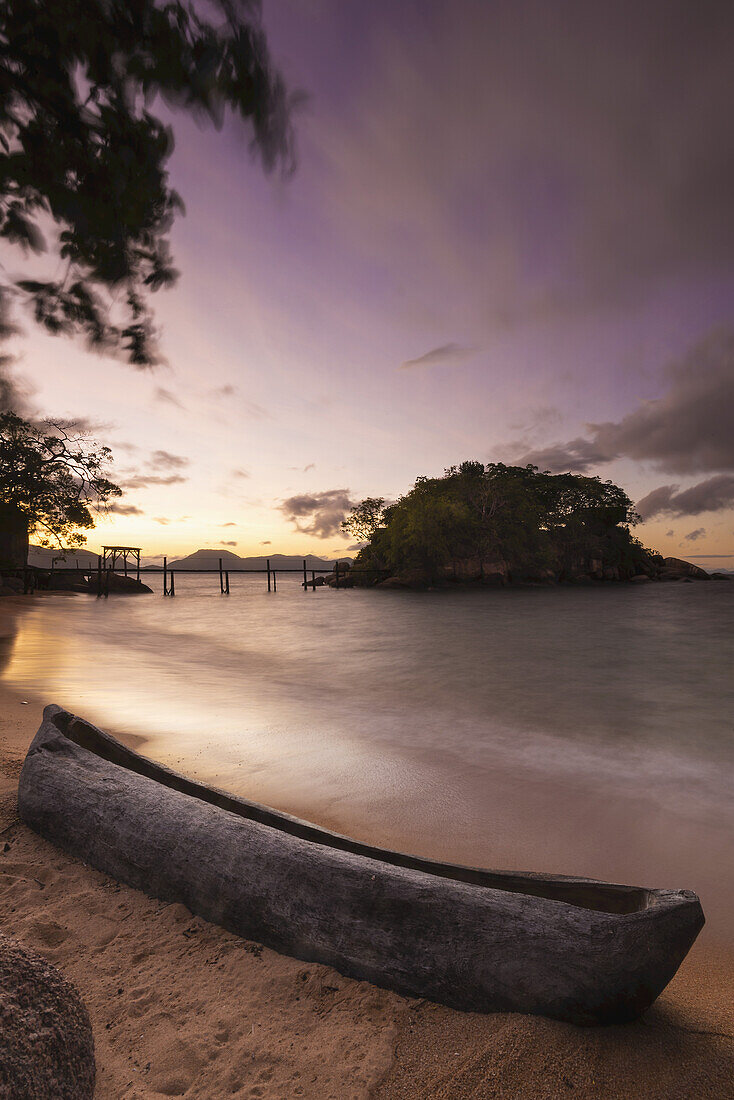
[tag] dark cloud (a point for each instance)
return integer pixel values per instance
(687, 431)
(579, 455)
(446, 353)
(231, 543)
(163, 520)
(707, 496)
(267, 542)
(230, 524)
(240, 473)
(594, 144)
(318, 514)
(168, 461)
(124, 509)
(167, 397)
(693, 536)
(143, 481)
(223, 391)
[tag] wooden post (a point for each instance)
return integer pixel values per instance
(99, 575)
(124, 563)
(336, 574)
(165, 576)
(226, 575)
(173, 585)
(305, 577)
(275, 583)
(268, 574)
(221, 579)
(138, 576)
(313, 580)
(107, 583)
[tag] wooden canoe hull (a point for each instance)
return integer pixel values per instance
(483, 941)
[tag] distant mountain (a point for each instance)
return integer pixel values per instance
(209, 559)
(44, 556)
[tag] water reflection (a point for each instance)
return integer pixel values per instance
(574, 731)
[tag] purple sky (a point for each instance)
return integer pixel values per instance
(510, 236)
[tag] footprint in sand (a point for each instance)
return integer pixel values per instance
(48, 933)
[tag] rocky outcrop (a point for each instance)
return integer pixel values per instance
(119, 584)
(676, 568)
(46, 1043)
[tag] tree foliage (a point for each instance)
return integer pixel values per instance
(534, 523)
(85, 159)
(365, 518)
(53, 476)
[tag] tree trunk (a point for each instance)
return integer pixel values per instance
(13, 538)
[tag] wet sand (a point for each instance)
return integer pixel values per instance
(182, 1008)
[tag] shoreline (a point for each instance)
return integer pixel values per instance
(181, 1007)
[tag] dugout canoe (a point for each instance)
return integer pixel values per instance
(484, 941)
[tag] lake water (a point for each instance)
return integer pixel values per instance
(582, 731)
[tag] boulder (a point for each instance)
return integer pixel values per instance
(47, 1048)
(720, 576)
(117, 583)
(676, 567)
(596, 568)
(14, 584)
(467, 569)
(640, 578)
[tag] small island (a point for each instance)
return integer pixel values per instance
(496, 525)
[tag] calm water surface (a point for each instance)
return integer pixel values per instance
(582, 731)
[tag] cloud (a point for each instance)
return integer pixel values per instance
(446, 353)
(555, 166)
(693, 536)
(117, 509)
(143, 481)
(579, 455)
(168, 461)
(231, 543)
(318, 514)
(167, 397)
(230, 524)
(669, 534)
(711, 495)
(686, 431)
(267, 542)
(223, 391)
(240, 473)
(163, 520)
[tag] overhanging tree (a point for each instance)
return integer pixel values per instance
(84, 159)
(52, 478)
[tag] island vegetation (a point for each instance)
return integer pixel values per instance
(495, 523)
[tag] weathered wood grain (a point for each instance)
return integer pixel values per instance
(483, 941)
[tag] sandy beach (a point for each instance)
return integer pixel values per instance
(182, 1008)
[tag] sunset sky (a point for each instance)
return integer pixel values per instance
(509, 237)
